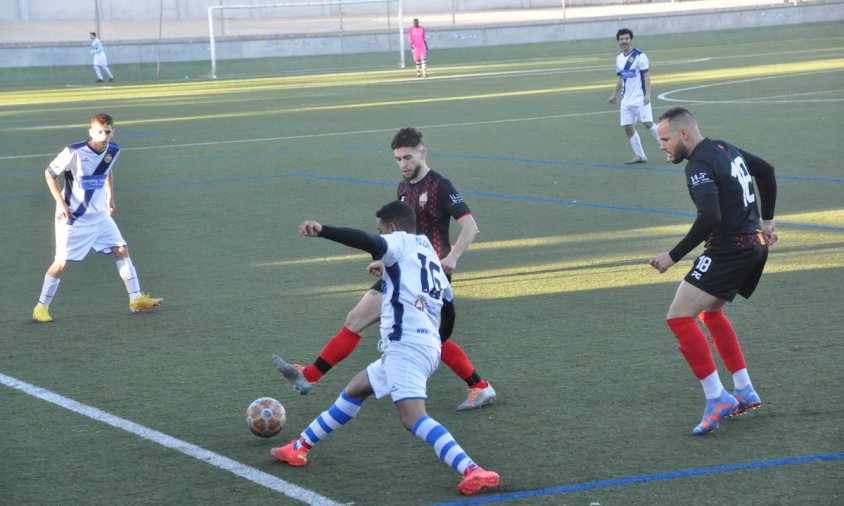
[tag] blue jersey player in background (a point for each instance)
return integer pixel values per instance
(416, 291)
(634, 87)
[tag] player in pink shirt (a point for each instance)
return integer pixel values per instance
(419, 46)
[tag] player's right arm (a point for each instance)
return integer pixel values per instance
(51, 174)
(352, 237)
(614, 97)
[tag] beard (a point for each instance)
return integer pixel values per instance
(415, 173)
(681, 152)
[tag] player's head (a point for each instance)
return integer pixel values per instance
(410, 152)
(624, 38)
(624, 31)
(394, 216)
(678, 133)
(101, 131)
(93, 35)
(415, 21)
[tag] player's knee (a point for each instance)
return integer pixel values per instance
(57, 268)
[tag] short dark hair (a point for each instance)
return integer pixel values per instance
(94, 34)
(676, 112)
(407, 137)
(399, 213)
(102, 119)
(623, 31)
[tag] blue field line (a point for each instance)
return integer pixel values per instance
(507, 196)
(630, 480)
(540, 161)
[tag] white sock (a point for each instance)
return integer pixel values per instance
(712, 386)
(48, 290)
(129, 277)
(654, 130)
(741, 379)
(636, 144)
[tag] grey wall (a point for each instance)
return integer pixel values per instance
(473, 36)
(53, 10)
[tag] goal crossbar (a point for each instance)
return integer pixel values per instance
(319, 3)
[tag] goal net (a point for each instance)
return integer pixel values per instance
(320, 35)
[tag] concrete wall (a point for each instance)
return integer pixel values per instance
(471, 36)
(53, 10)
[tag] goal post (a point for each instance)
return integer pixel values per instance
(319, 27)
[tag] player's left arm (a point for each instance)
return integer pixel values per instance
(109, 192)
(647, 79)
(468, 231)
(766, 182)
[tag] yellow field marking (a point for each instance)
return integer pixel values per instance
(797, 250)
(252, 85)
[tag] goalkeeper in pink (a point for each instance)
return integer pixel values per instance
(419, 46)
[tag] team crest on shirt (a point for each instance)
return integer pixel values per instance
(631, 59)
(423, 199)
(107, 158)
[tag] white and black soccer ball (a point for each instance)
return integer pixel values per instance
(265, 417)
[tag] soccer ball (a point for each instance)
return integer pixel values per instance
(265, 417)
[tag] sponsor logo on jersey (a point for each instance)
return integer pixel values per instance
(93, 182)
(700, 178)
(423, 199)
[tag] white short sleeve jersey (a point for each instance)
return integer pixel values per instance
(85, 172)
(631, 68)
(414, 290)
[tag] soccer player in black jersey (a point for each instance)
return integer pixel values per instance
(436, 202)
(720, 181)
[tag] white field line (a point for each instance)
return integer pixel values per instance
(191, 450)
(331, 134)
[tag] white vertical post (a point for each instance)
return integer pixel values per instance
(97, 14)
(213, 45)
(160, 33)
(401, 32)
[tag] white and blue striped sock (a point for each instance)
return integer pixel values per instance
(340, 413)
(429, 430)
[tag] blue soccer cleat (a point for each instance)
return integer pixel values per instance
(716, 410)
(747, 398)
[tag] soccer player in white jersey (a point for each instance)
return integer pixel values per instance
(83, 214)
(417, 295)
(634, 87)
(100, 59)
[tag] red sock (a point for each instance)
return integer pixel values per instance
(693, 345)
(725, 338)
(455, 358)
(338, 348)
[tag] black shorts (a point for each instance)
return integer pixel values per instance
(726, 274)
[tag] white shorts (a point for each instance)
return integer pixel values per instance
(635, 110)
(74, 241)
(100, 60)
(403, 371)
